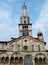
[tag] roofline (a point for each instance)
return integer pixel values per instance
(20, 38)
(29, 36)
(25, 24)
(4, 41)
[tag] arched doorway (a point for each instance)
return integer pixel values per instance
(28, 60)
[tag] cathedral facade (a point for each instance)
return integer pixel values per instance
(24, 50)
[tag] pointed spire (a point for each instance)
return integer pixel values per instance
(24, 6)
(24, 12)
(40, 35)
(24, 3)
(39, 32)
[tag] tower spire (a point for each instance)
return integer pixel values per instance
(24, 3)
(24, 10)
(25, 25)
(40, 35)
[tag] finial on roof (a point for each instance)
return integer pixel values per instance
(40, 33)
(24, 3)
(24, 6)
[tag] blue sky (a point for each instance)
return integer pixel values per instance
(11, 11)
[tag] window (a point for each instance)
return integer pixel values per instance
(36, 60)
(18, 47)
(20, 59)
(40, 34)
(16, 59)
(21, 21)
(7, 59)
(38, 47)
(11, 47)
(24, 21)
(27, 33)
(40, 60)
(24, 17)
(2, 46)
(25, 26)
(11, 59)
(3, 59)
(23, 33)
(28, 60)
(44, 59)
(25, 40)
(25, 48)
(32, 47)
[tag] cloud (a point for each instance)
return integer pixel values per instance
(5, 19)
(4, 15)
(11, 0)
(42, 21)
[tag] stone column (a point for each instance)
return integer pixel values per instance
(23, 61)
(9, 59)
(33, 62)
(47, 61)
(23, 58)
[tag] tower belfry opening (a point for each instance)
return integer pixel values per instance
(25, 27)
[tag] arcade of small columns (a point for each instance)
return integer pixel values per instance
(19, 59)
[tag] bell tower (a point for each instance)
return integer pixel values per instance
(25, 27)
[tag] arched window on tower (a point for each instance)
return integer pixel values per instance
(28, 20)
(24, 21)
(27, 33)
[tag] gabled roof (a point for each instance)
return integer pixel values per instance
(21, 37)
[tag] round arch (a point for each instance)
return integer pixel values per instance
(40, 55)
(28, 60)
(4, 54)
(41, 58)
(17, 57)
(3, 57)
(7, 59)
(16, 53)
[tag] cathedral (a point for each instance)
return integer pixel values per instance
(24, 50)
